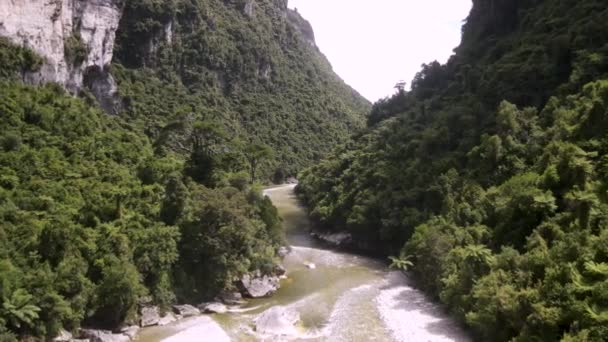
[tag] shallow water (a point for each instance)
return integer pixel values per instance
(344, 298)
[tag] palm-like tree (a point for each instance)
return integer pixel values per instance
(402, 263)
(17, 309)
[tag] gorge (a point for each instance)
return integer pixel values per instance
(138, 139)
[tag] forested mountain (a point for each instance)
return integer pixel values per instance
(131, 133)
(489, 176)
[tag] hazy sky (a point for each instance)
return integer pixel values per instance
(374, 44)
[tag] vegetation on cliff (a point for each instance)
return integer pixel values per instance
(489, 176)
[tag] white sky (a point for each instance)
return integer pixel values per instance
(372, 44)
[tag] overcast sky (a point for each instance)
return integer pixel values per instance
(374, 44)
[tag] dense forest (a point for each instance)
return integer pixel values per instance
(487, 180)
(158, 201)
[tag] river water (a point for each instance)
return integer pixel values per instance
(345, 297)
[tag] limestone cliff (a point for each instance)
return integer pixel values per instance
(75, 37)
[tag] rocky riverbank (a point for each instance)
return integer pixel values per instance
(253, 285)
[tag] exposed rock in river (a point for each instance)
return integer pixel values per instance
(186, 310)
(167, 319)
(217, 308)
(257, 286)
(277, 320)
(103, 336)
(230, 298)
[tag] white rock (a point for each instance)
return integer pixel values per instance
(103, 336)
(217, 308)
(186, 310)
(277, 320)
(44, 26)
(150, 315)
(167, 319)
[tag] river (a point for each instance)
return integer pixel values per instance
(346, 297)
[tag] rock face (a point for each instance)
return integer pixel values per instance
(53, 28)
(103, 336)
(303, 26)
(277, 320)
(150, 315)
(257, 286)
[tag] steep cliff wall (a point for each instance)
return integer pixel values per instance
(76, 38)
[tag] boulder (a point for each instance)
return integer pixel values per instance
(130, 331)
(257, 286)
(277, 320)
(310, 265)
(186, 310)
(213, 308)
(103, 336)
(63, 336)
(230, 298)
(283, 251)
(167, 319)
(150, 315)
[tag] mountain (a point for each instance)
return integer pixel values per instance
(133, 138)
(488, 176)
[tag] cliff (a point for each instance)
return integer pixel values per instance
(75, 37)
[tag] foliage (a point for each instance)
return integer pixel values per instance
(180, 63)
(491, 174)
(93, 222)
(75, 50)
(17, 61)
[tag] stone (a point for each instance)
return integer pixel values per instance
(230, 298)
(167, 319)
(310, 265)
(257, 286)
(213, 308)
(277, 321)
(186, 310)
(130, 331)
(150, 315)
(103, 336)
(63, 336)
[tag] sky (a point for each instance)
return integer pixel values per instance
(373, 44)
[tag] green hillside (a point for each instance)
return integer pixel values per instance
(489, 175)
